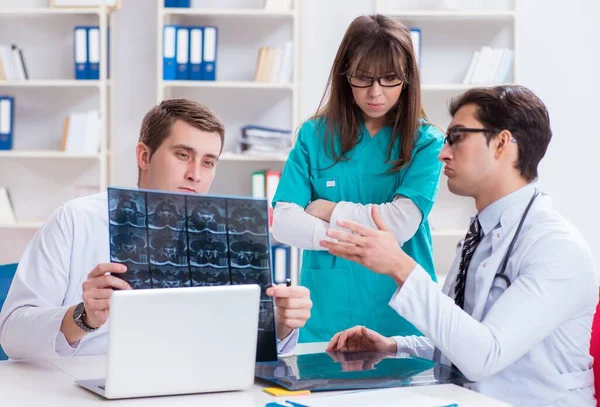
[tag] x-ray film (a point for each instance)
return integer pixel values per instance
(179, 240)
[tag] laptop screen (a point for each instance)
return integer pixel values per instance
(179, 240)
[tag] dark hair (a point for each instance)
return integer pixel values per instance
(157, 123)
(517, 109)
(381, 44)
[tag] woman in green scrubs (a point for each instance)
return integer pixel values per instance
(368, 144)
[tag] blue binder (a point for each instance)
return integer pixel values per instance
(80, 52)
(183, 3)
(7, 116)
(93, 46)
(209, 72)
(169, 47)
(196, 47)
(182, 53)
(171, 3)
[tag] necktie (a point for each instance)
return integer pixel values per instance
(470, 244)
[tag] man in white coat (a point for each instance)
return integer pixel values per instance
(516, 322)
(58, 304)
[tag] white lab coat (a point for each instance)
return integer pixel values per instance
(49, 280)
(527, 345)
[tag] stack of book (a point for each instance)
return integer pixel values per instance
(264, 141)
(489, 66)
(12, 63)
(275, 65)
(81, 133)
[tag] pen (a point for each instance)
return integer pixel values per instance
(288, 282)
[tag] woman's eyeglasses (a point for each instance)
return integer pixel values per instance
(386, 81)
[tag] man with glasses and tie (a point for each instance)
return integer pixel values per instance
(515, 313)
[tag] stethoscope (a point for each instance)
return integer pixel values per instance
(501, 274)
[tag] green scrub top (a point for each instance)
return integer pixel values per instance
(344, 293)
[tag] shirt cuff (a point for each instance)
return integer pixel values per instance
(288, 344)
(342, 211)
(61, 345)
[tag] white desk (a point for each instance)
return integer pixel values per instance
(49, 383)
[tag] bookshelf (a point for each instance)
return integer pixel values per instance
(38, 175)
(451, 31)
(243, 27)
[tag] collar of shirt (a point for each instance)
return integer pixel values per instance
(489, 218)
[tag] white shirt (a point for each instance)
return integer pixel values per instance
(49, 280)
(293, 226)
(527, 345)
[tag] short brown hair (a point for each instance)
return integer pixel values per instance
(517, 109)
(157, 123)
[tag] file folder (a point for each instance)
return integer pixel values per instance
(182, 56)
(81, 53)
(169, 46)
(7, 114)
(195, 67)
(94, 52)
(210, 54)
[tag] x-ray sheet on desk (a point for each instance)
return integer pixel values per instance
(179, 240)
(355, 370)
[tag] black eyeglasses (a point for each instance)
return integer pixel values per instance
(457, 134)
(386, 81)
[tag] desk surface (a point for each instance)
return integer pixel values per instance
(50, 383)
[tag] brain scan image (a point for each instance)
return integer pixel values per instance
(207, 276)
(248, 251)
(170, 277)
(128, 244)
(266, 318)
(252, 276)
(137, 275)
(208, 250)
(175, 240)
(168, 247)
(247, 216)
(166, 211)
(127, 209)
(206, 214)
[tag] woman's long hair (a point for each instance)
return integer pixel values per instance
(379, 45)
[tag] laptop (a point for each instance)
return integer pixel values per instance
(180, 341)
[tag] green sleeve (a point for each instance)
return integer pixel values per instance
(421, 180)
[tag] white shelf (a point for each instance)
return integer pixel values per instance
(55, 83)
(228, 156)
(450, 14)
(45, 154)
(22, 225)
(41, 11)
(248, 12)
(224, 84)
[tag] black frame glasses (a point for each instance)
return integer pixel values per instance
(373, 79)
(452, 138)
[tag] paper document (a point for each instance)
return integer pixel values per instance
(396, 397)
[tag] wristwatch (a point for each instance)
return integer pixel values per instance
(78, 316)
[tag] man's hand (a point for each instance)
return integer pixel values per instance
(360, 338)
(293, 307)
(97, 290)
(376, 249)
(321, 209)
